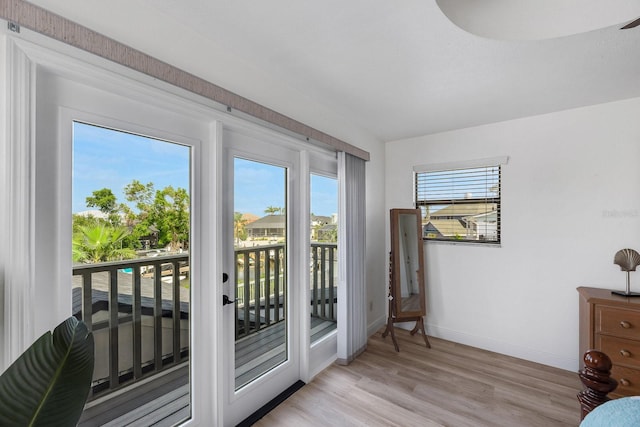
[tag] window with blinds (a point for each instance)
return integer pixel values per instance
(460, 204)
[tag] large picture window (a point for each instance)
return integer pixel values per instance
(460, 204)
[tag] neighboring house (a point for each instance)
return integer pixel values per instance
(248, 218)
(437, 228)
(270, 226)
(326, 233)
(149, 241)
(95, 213)
(273, 226)
(318, 226)
(319, 220)
(461, 210)
(468, 220)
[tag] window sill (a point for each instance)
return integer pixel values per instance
(462, 243)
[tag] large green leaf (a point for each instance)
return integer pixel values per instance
(49, 383)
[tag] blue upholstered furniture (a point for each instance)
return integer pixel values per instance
(623, 412)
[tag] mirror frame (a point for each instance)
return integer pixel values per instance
(395, 285)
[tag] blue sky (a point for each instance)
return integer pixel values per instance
(103, 158)
(324, 195)
(259, 185)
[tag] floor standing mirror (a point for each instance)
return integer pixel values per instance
(407, 301)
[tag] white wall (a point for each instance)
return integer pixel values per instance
(570, 201)
(376, 255)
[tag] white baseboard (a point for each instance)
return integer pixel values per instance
(376, 325)
(485, 343)
(509, 349)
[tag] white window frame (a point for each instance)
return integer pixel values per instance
(323, 352)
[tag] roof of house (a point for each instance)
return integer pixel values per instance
(327, 227)
(463, 210)
(447, 227)
(249, 217)
(269, 221)
(321, 219)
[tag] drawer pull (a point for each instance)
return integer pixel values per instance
(625, 324)
(624, 382)
(625, 353)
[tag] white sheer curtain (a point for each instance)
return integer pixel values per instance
(352, 314)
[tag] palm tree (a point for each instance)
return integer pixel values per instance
(238, 227)
(100, 243)
(271, 210)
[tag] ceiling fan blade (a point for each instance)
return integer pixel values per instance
(631, 24)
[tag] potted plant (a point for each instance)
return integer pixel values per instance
(49, 383)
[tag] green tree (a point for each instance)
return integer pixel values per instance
(167, 210)
(170, 214)
(105, 201)
(331, 236)
(139, 221)
(85, 221)
(239, 232)
(140, 194)
(100, 243)
(272, 210)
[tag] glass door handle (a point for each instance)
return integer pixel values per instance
(226, 300)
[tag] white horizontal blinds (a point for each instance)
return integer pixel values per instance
(460, 204)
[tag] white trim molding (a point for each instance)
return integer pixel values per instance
(17, 262)
(464, 164)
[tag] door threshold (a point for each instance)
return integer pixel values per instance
(269, 406)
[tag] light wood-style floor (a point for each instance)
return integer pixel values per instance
(447, 385)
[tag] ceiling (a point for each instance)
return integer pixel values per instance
(390, 69)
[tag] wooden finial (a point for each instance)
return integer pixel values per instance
(596, 377)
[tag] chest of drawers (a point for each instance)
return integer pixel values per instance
(611, 323)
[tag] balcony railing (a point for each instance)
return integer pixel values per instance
(260, 288)
(148, 331)
(324, 264)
